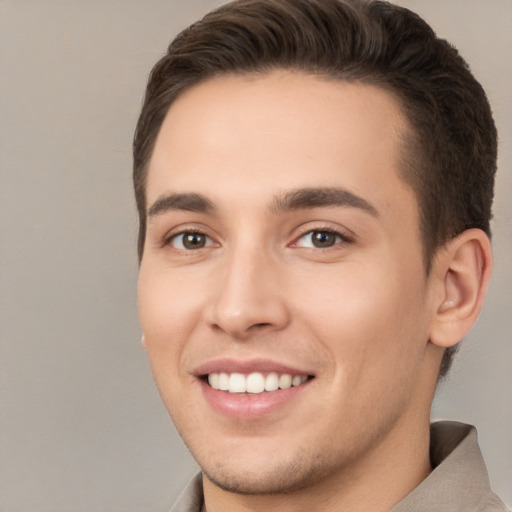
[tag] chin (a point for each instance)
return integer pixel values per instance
(263, 479)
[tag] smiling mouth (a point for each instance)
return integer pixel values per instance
(254, 383)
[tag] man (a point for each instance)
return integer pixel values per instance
(314, 181)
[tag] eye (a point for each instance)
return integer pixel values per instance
(320, 239)
(190, 240)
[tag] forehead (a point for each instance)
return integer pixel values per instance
(276, 131)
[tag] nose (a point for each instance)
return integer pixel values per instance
(249, 297)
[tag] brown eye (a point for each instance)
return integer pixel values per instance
(190, 240)
(322, 239)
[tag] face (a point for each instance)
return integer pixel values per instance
(282, 292)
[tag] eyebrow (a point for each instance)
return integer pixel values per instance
(318, 197)
(189, 201)
(300, 199)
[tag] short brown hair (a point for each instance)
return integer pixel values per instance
(451, 150)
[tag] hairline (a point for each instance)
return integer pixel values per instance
(409, 145)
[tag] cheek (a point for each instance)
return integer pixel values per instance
(168, 313)
(165, 318)
(163, 300)
(365, 317)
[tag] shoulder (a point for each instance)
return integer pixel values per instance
(492, 503)
(459, 480)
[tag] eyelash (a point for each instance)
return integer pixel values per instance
(168, 241)
(340, 238)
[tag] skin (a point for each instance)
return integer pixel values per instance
(360, 315)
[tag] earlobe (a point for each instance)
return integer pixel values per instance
(462, 269)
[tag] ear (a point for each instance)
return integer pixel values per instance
(461, 270)
(143, 341)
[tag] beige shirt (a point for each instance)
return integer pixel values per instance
(458, 482)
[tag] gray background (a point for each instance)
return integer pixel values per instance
(81, 426)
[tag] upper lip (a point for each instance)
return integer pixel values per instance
(227, 365)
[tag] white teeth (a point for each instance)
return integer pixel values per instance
(213, 380)
(223, 382)
(254, 383)
(296, 380)
(237, 383)
(285, 381)
(271, 382)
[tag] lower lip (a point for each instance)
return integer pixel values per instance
(247, 406)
